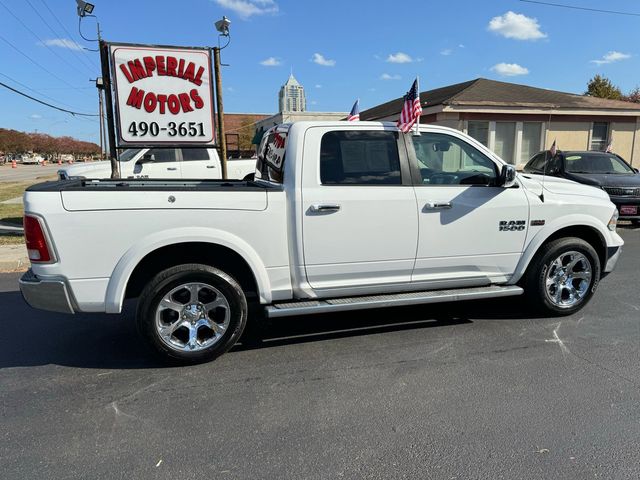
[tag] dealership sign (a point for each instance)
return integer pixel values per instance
(163, 95)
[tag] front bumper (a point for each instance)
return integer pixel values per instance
(50, 294)
(627, 202)
(613, 254)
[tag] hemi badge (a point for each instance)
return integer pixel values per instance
(537, 223)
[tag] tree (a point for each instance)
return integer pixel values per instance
(602, 87)
(633, 95)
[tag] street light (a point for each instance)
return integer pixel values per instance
(222, 26)
(84, 8)
(103, 83)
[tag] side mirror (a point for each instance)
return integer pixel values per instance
(147, 157)
(507, 176)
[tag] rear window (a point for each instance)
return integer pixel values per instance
(271, 156)
(360, 158)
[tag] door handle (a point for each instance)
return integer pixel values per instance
(437, 206)
(172, 168)
(325, 207)
(211, 166)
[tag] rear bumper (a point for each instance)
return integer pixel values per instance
(50, 294)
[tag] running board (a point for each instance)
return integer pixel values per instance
(303, 307)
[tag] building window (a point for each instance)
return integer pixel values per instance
(599, 136)
(505, 140)
(479, 131)
(531, 134)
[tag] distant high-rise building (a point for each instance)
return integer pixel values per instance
(291, 97)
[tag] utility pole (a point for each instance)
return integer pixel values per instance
(222, 141)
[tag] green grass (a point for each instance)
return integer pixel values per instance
(11, 213)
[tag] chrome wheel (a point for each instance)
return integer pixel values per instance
(192, 317)
(568, 279)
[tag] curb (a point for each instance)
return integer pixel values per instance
(13, 258)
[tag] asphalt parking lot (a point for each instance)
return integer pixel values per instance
(24, 173)
(465, 391)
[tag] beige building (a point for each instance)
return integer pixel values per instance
(517, 121)
(288, 117)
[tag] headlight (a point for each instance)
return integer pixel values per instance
(613, 223)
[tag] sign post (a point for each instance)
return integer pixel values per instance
(163, 96)
(106, 85)
(221, 136)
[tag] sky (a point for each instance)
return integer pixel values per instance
(339, 50)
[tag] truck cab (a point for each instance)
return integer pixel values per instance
(162, 163)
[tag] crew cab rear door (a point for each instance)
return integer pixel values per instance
(471, 231)
(196, 164)
(359, 220)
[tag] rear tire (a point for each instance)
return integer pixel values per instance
(562, 277)
(192, 313)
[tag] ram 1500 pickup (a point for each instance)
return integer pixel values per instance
(340, 216)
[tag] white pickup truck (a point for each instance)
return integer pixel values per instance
(165, 163)
(340, 216)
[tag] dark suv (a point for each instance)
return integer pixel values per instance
(599, 169)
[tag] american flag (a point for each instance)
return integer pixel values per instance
(609, 148)
(411, 108)
(354, 116)
(553, 150)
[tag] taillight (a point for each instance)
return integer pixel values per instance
(37, 247)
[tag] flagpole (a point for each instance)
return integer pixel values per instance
(417, 125)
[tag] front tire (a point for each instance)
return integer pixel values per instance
(562, 277)
(192, 313)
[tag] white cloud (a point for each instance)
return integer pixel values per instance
(461, 46)
(386, 76)
(320, 60)
(318, 86)
(271, 62)
(371, 89)
(246, 8)
(62, 43)
(35, 116)
(399, 57)
(516, 25)
(446, 52)
(509, 69)
(611, 57)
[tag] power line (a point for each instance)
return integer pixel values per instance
(48, 104)
(38, 92)
(60, 23)
(34, 62)
(55, 34)
(42, 42)
(573, 7)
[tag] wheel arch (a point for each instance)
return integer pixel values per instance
(215, 248)
(586, 231)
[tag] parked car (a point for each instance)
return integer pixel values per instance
(341, 216)
(163, 163)
(607, 171)
(31, 159)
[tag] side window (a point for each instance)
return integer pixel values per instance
(194, 154)
(360, 158)
(447, 160)
(161, 155)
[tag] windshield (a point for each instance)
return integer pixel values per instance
(598, 163)
(129, 154)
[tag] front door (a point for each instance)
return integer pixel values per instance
(158, 163)
(359, 208)
(471, 232)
